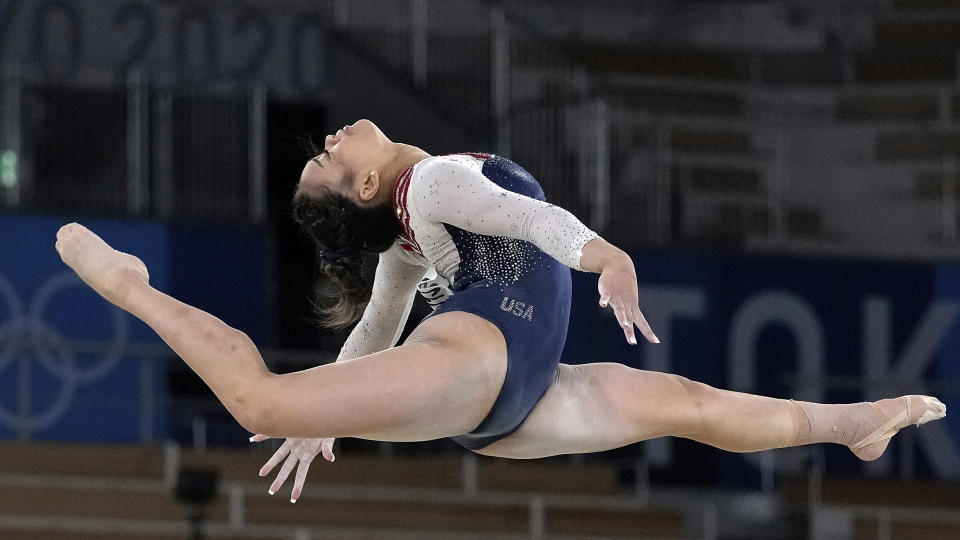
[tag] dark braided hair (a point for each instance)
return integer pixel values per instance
(342, 232)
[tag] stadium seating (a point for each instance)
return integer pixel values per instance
(881, 507)
(76, 491)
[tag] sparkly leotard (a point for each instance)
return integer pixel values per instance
(480, 224)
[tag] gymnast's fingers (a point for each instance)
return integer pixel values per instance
(628, 333)
(285, 471)
(276, 458)
(326, 448)
(259, 438)
(624, 321)
(617, 311)
(299, 480)
(604, 295)
(644, 326)
(628, 330)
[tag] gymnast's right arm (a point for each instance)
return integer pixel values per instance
(394, 289)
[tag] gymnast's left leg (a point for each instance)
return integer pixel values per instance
(595, 407)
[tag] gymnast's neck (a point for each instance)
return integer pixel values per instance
(403, 156)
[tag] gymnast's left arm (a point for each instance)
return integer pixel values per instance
(450, 192)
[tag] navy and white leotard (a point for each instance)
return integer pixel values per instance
(479, 224)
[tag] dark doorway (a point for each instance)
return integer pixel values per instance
(287, 125)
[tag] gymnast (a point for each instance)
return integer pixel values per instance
(474, 234)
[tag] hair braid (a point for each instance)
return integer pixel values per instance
(342, 232)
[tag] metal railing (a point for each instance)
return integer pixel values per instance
(606, 146)
(615, 150)
(143, 149)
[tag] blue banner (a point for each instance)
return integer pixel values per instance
(72, 366)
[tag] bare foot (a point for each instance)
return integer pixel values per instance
(106, 270)
(890, 416)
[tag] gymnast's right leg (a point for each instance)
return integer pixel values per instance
(595, 407)
(435, 386)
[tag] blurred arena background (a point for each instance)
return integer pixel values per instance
(784, 173)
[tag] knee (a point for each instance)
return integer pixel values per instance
(250, 402)
(254, 412)
(698, 406)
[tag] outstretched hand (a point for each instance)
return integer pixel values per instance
(618, 289)
(294, 452)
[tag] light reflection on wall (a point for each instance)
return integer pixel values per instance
(8, 169)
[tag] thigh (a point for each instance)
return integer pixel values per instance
(595, 407)
(440, 383)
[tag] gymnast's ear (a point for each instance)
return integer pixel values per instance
(369, 185)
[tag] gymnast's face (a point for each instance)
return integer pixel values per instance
(350, 163)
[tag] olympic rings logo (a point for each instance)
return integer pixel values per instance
(26, 334)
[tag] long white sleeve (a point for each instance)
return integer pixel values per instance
(394, 288)
(446, 190)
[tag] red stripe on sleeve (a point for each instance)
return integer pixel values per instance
(408, 240)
